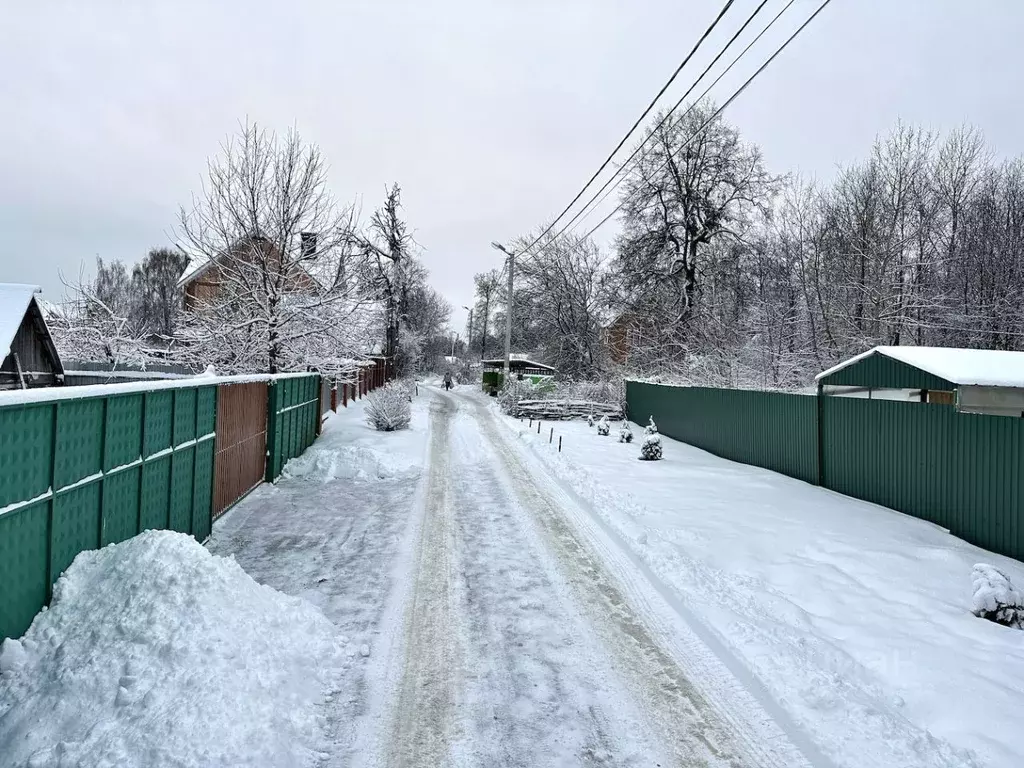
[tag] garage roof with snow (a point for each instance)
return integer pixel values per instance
(935, 368)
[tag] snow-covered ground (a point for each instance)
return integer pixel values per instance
(471, 597)
(154, 652)
(332, 531)
(856, 619)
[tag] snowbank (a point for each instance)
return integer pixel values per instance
(856, 618)
(349, 449)
(155, 652)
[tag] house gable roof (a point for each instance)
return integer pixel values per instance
(15, 299)
(16, 302)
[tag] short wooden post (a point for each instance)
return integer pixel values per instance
(551, 436)
(559, 443)
(531, 422)
(538, 427)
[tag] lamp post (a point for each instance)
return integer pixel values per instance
(508, 308)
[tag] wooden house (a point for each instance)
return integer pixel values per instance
(30, 358)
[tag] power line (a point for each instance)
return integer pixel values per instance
(583, 212)
(721, 109)
(636, 124)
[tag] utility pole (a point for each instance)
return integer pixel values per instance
(508, 307)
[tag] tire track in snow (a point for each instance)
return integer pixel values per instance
(539, 690)
(423, 717)
(697, 730)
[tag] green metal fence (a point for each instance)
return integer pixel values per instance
(293, 414)
(960, 471)
(769, 429)
(81, 473)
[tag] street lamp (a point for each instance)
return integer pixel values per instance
(508, 310)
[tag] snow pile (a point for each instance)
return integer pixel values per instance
(349, 449)
(995, 598)
(155, 652)
(388, 408)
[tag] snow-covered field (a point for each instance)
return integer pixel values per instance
(156, 653)
(855, 618)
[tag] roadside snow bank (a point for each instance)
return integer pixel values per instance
(155, 652)
(348, 449)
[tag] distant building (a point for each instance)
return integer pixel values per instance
(205, 281)
(624, 334)
(30, 358)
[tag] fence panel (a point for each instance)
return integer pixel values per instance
(769, 429)
(958, 470)
(294, 410)
(241, 452)
(80, 472)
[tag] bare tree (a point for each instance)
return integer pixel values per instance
(487, 287)
(558, 303)
(271, 241)
(696, 186)
(387, 246)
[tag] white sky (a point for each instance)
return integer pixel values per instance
(490, 114)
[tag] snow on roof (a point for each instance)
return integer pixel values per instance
(52, 394)
(517, 358)
(978, 367)
(14, 301)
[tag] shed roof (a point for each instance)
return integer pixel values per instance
(15, 299)
(935, 367)
(517, 363)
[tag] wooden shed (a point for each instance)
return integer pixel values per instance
(30, 358)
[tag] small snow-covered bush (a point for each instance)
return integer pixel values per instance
(388, 409)
(590, 420)
(625, 435)
(651, 428)
(650, 448)
(603, 427)
(995, 598)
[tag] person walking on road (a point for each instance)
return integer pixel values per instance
(447, 380)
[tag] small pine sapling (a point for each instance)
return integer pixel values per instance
(650, 448)
(625, 435)
(603, 427)
(995, 598)
(651, 428)
(590, 420)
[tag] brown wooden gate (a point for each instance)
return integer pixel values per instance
(241, 443)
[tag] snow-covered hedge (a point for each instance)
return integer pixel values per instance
(388, 408)
(995, 598)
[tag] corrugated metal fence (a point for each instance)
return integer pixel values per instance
(961, 471)
(79, 471)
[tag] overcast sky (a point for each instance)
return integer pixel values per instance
(490, 114)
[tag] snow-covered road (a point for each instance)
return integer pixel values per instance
(489, 626)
